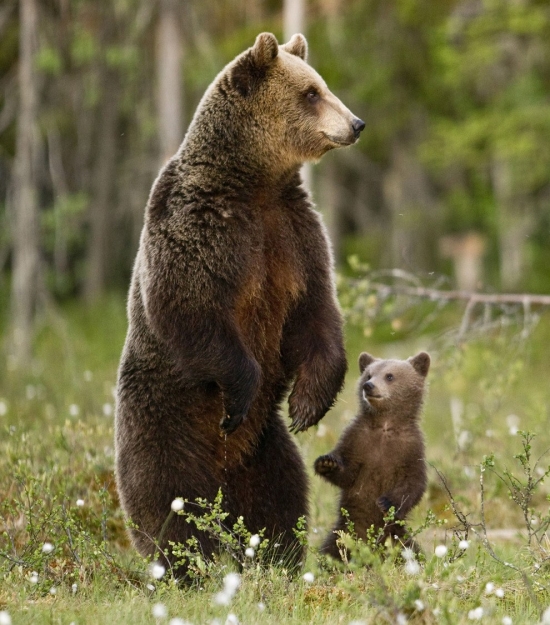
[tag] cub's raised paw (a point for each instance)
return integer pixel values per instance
(326, 464)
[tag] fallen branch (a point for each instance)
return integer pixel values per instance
(473, 297)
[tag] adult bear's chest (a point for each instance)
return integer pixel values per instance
(275, 279)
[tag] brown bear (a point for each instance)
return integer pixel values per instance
(232, 304)
(378, 463)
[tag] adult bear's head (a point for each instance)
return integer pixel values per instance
(276, 101)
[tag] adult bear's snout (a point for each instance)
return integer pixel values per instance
(358, 125)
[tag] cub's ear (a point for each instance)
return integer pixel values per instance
(421, 363)
(297, 46)
(251, 67)
(364, 361)
(265, 50)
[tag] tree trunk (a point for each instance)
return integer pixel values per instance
(26, 240)
(514, 225)
(410, 202)
(101, 212)
(169, 86)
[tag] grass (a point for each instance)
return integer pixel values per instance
(56, 447)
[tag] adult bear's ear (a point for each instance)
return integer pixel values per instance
(265, 50)
(297, 46)
(365, 360)
(251, 67)
(421, 363)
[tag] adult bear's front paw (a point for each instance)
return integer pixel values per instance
(231, 422)
(239, 395)
(303, 413)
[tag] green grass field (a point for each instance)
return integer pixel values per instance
(56, 449)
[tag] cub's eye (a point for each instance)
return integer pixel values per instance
(312, 96)
(389, 377)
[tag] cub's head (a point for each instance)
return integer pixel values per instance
(392, 384)
(295, 114)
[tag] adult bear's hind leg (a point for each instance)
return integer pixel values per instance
(270, 490)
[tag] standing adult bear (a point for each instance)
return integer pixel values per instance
(232, 302)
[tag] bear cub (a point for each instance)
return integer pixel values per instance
(378, 463)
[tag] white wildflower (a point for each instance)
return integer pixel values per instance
(546, 617)
(178, 621)
(412, 567)
(407, 554)
(476, 614)
(489, 588)
(499, 592)
(254, 540)
(3, 408)
(249, 552)
(88, 376)
(157, 570)
(441, 551)
(74, 588)
(53, 590)
(261, 606)
(5, 618)
(308, 577)
(177, 504)
(107, 409)
(231, 619)
(74, 410)
(150, 587)
(222, 598)
(159, 611)
(464, 544)
(47, 548)
(80, 502)
(33, 579)
(401, 619)
(506, 620)
(231, 582)
(419, 605)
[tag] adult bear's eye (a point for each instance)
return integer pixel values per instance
(312, 96)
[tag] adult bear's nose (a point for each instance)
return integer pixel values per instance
(357, 125)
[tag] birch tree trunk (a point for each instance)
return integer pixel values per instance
(169, 86)
(515, 224)
(26, 240)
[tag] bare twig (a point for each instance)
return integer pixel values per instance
(525, 299)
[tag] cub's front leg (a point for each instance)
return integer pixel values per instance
(335, 470)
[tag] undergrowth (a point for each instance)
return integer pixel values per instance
(65, 555)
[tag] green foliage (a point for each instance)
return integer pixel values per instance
(52, 455)
(208, 518)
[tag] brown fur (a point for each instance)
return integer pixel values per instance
(379, 460)
(232, 304)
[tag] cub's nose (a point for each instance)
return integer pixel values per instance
(358, 125)
(368, 386)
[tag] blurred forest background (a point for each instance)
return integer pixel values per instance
(451, 176)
